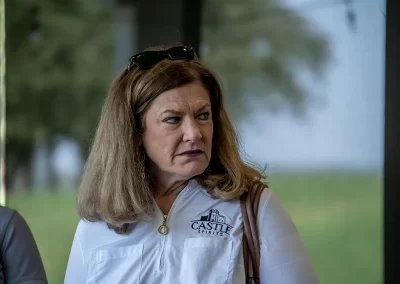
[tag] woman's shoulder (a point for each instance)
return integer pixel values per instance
(84, 226)
(270, 203)
(92, 235)
(266, 193)
(266, 196)
(88, 229)
(273, 219)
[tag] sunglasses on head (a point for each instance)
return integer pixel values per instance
(148, 59)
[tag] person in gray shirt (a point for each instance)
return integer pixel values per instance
(20, 261)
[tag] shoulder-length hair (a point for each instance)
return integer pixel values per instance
(115, 188)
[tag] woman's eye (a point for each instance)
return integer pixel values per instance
(172, 120)
(204, 116)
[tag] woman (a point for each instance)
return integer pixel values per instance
(159, 196)
(20, 260)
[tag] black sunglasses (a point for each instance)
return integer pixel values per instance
(148, 59)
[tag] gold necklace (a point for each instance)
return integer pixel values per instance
(163, 229)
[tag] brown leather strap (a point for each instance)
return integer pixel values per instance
(249, 203)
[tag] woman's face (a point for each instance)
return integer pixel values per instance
(178, 132)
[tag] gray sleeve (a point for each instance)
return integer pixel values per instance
(19, 256)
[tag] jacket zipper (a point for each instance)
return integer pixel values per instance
(165, 223)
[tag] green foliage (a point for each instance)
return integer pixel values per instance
(258, 48)
(59, 64)
(338, 215)
(59, 59)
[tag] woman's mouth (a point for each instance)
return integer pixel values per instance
(191, 153)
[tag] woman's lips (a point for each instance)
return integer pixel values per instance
(192, 153)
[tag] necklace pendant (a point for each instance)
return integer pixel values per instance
(163, 229)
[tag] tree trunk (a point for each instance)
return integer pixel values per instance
(22, 179)
(43, 172)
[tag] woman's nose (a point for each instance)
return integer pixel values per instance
(192, 132)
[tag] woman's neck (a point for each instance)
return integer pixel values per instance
(165, 194)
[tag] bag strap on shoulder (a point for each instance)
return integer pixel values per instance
(249, 203)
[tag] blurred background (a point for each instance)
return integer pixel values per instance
(303, 82)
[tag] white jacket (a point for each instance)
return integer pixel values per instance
(204, 245)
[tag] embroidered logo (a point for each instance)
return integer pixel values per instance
(212, 224)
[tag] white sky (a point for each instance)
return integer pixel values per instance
(347, 132)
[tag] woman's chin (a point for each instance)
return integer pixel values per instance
(190, 173)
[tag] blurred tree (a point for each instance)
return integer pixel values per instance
(59, 63)
(258, 48)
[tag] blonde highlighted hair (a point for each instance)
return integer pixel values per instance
(115, 187)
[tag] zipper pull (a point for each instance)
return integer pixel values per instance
(163, 229)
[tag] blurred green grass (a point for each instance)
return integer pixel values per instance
(53, 219)
(339, 216)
